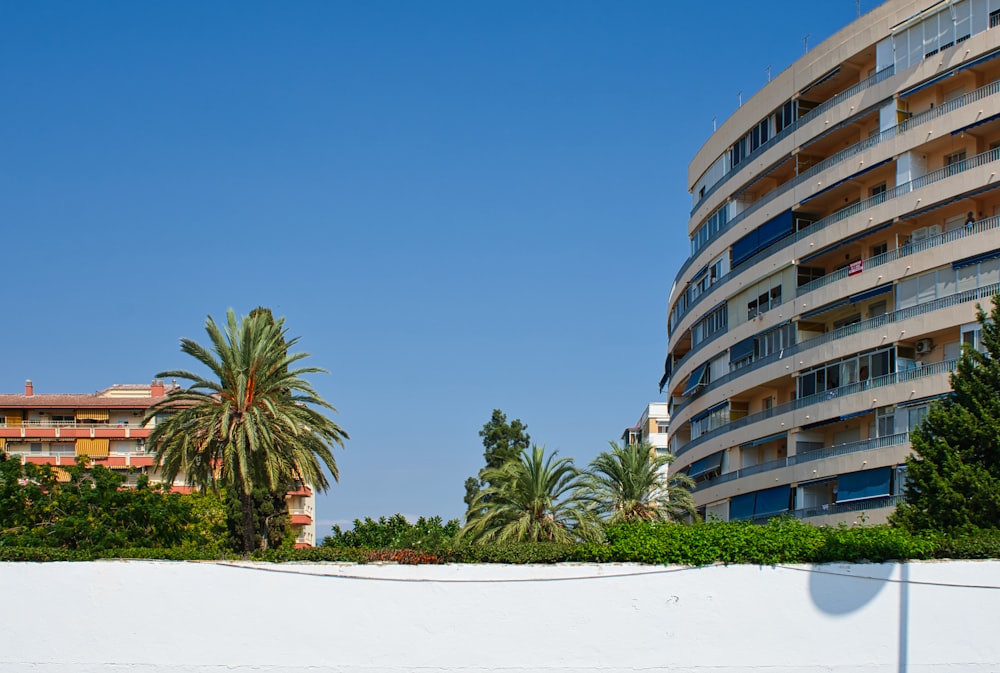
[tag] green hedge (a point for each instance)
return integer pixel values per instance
(779, 541)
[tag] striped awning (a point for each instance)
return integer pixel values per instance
(92, 448)
(92, 414)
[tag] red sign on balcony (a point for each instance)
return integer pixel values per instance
(856, 267)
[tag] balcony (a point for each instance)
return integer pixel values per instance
(979, 294)
(873, 444)
(901, 252)
(843, 391)
(867, 505)
(878, 77)
(969, 98)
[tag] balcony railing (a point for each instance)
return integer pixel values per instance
(804, 119)
(86, 425)
(978, 294)
(903, 251)
(881, 502)
(809, 400)
(873, 444)
(968, 99)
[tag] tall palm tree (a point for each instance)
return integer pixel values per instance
(252, 423)
(631, 483)
(530, 498)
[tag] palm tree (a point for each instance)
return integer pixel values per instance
(630, 483)
(530, 498)
(252, 423)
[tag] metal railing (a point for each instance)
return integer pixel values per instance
(978, 294)
(969, 98)
(873, 444)
(879, 502)
(809, 400)
(86, 425)
(801, 121)
(902, 251)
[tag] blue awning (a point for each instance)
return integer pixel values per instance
(874, 292)
(705, 465)
(855, 414)
(695, 379)
(850, 239)
(864, 484)
(668, 368)
(950, 73)
(973, 125)
(741, 350)
(772, 501)
(922, 400)
(847, 179)
(948, 202)
(742, 506)
(820, 424)
(764, 440)
(824, 309)
(698, 417)
(969, 261)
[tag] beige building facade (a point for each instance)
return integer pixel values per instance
(845, 223)
(106, 428)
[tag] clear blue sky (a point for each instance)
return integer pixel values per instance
(458, 206)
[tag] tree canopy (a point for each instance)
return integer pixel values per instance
(503, 442)
(534, 498)
(953, 478)
(254, 422)
(630, 483)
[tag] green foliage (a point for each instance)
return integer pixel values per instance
(94, 512)
(953, 478)
(781, 540)
(984, 544)
(271, 522)
(517, 552)
(627, 484)
(532, 499)
(395, 532)
(503, 442)
(255, 423)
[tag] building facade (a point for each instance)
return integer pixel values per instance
(106, 427)
(651, 428)
(845, 222)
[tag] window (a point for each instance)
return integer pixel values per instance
(953, 162)
(36, 447)
(857, 368)
(995, 19)
(879, 249)
(885, 421)
(712, 324)
(764, 297)
(712, 226)
(807, 274)
(972, 334)
(878, 190)
(916, 416)
(662, 427)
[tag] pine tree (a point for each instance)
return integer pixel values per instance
(953, 479)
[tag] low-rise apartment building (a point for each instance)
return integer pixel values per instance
(107, 428)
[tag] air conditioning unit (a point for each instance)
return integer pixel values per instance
(924, 346)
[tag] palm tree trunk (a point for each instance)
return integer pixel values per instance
(249, 534)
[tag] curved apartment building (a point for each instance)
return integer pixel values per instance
(845, 222)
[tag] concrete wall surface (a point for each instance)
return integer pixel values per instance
(155, 617)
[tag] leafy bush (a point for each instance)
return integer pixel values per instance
(395, 532)
(979, 545)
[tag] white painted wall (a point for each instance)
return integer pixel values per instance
(161, 616)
